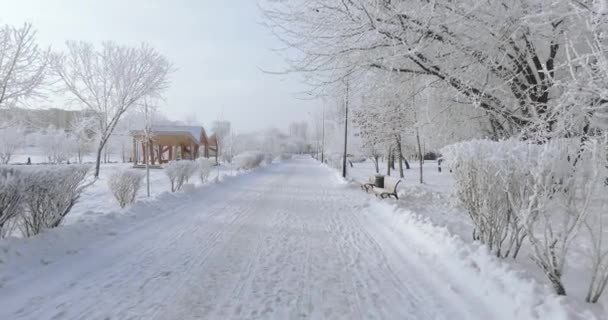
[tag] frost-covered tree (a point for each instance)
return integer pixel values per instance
(56, 144)
(221, 130)
(11, 140)
(23, 65)
(82, 132)
(110, 80)
(503, 57)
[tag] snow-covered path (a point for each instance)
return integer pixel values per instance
(290, 241)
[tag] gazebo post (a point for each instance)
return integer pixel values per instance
(151, 144)
(134, 155)
(143, 149)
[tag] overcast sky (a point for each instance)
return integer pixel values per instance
(218, 48)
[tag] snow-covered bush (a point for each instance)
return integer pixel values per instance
(248, 160)
(268, 157)
(10, 197)
(179, 172)
(285, 156)
(490, 180)
(204, 168)
(515, 190)
(124, 185)
(50, 194)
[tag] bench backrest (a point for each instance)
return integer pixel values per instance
(390, 184)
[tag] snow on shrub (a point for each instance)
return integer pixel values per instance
(268, 157)
(204, 168)
(485, 172)
(10, 198)
(514, 190)
(179, 172)
(50, 192)
(124, 185)
(285, 156)
(248, 160)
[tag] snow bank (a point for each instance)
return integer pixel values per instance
(478, 273)
(19, 256)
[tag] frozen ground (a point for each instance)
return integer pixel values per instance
(289, 241)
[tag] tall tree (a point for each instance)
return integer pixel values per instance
(23, 65)
(109, 81)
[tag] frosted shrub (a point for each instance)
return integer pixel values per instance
(10, 198)
(204, 169)
(50, 194)
(180, 172)
(596, 224)
(515, 190)
(268, 157)
(285, 156)
(124, 185)
(485, 173)
(248, 160)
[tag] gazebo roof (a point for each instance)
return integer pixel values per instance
(195, 132)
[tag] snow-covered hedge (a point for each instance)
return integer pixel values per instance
(50, 192)
(204, 168)
(515, 191)
(268, 158)
(248, 160)
(11, 193)
(180, 172)
(286, 156)
(485, 173)
(124, 185)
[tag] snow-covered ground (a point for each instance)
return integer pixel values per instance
(291, 240)
(434, 202)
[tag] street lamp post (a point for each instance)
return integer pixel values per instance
(323, 135)
(345, 132)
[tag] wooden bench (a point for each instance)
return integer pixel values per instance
(389, 190)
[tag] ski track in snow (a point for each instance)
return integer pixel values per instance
(286, 242)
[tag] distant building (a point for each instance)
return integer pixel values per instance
(170, 143)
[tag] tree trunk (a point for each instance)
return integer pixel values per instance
(388, 162)
(148, 179)
(400, 152)
(407, 164)
(375, 158)
(98, 160)
(420, 157)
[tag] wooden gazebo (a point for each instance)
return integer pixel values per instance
(168, 143)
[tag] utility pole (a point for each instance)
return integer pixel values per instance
(323, 136)
(345, 131)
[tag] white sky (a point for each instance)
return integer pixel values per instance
(218, 47)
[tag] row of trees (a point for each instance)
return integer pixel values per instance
(529, 69)
(107, 81)
(437, 72)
